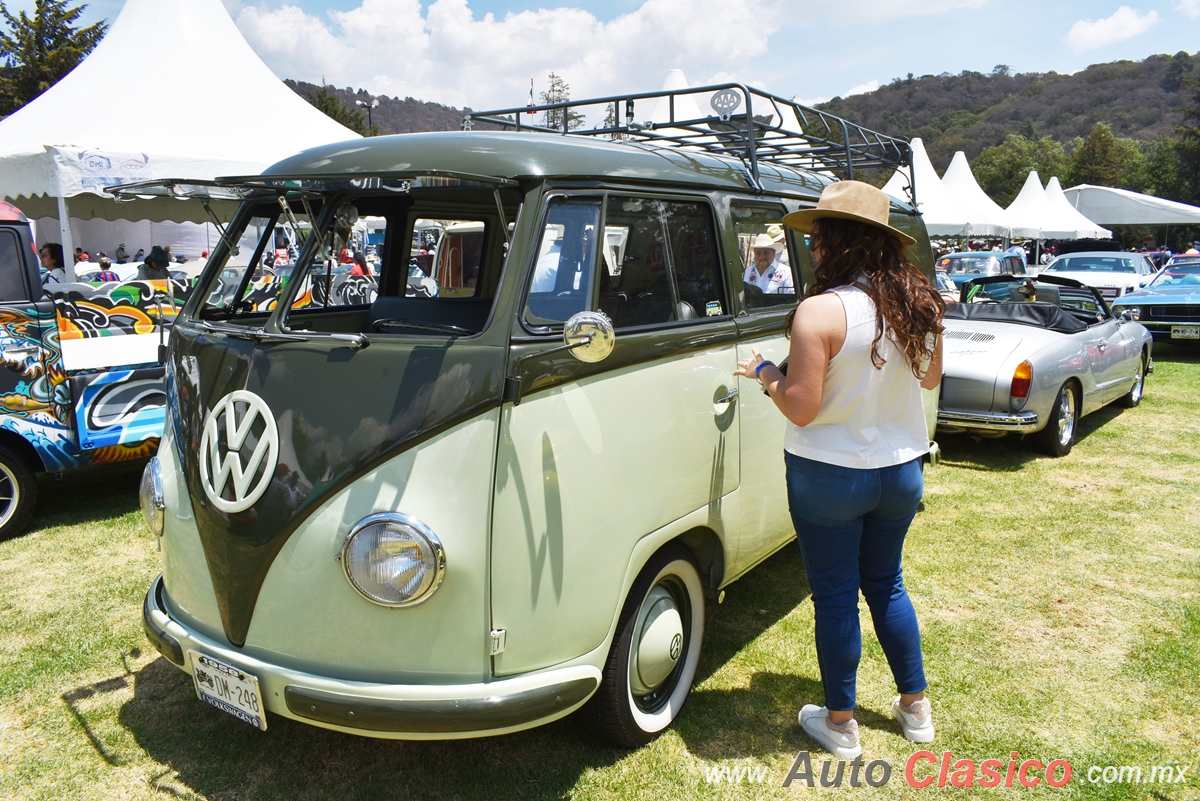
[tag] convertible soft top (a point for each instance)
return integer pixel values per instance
(1041, 315)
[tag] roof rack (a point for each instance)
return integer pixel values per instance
(750, 125)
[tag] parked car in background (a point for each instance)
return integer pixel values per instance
(962, 267)
(1114, 274)
(945, 287)
(1169, 306)
(80, 378)
(1032, 356)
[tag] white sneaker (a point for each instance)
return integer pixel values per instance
(814, 721)
(917, 725)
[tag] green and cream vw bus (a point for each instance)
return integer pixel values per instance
(473, 513)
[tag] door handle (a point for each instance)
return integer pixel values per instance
(20, 352)
(733, 393)
(1103, 347)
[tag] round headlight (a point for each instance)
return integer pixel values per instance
(151, 497)
(393, 559)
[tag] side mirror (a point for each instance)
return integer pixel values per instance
(589, 336)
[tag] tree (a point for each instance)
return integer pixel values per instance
(1002, 169)
(1102, 159)
(328, 103)
(1180, 68)
(1187, 145)
(36, 52)
(559, 92)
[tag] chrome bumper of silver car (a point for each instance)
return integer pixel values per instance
(953, 420)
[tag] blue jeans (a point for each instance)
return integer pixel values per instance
(851, 525)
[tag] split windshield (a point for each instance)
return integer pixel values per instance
(406, 263)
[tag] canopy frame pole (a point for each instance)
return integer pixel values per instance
(68, 242)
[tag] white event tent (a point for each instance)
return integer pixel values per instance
(1084, 228)
(1109, 206)
(945, 212)
(960, 181)
(172, 91)
(1032, 208)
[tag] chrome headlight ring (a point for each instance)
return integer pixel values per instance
(393, 559)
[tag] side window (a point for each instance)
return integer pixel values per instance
(766, 263)
(454, 266)
(565, 261)
(12, 269)
(660, 263)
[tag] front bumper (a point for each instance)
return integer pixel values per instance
(957, 420)
(396, 711)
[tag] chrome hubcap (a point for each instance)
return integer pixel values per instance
(1066, 417)
(10, 494)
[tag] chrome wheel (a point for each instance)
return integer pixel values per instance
(18, 493)
(1134, 396)
(1058, 437)
(1066, 417)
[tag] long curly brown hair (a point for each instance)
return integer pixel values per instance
(904, 299)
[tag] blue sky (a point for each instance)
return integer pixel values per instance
(448, 51)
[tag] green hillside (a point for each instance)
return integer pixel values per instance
(973, 111)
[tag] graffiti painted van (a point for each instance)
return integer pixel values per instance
(479, 511)
(81, 382)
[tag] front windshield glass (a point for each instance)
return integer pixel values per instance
(1179, 274)
(970, 265)
(1092, 264)
(421, 262)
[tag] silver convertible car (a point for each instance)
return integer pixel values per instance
(1032, 356)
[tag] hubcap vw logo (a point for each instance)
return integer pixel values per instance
(676, 647)
(217, 470)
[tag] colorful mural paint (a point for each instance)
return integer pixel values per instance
(132, 307)
(86, 417)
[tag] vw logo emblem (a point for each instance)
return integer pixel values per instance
(221, 462)
(676, 647)
(726, 101)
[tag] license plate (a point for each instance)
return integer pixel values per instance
(1185, 332)
(228, 689)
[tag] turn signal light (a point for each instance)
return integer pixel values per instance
(1022, 378)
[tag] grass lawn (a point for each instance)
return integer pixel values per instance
(1059, 601)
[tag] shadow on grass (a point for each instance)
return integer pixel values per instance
(213, 755)
(1011, 453)
(87, 495)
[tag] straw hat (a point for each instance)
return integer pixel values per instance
(849, 200)
(765, 241)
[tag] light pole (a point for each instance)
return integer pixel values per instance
(373, 104)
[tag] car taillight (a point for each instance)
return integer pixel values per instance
(1022, 378)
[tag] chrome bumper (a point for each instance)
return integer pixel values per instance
(411, 712)
(952, 420)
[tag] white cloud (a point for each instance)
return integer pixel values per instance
(1124, 24)
(444, 53)
(1189, 7)
(862, 88)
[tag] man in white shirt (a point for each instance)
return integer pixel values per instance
(767, 273)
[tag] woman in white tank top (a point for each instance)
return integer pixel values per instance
(863, 344)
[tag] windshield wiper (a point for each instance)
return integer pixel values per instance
(263, 337)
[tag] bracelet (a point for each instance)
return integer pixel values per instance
(761, 365)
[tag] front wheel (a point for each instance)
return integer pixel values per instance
(18, 493)
(652, 662)
(1134, 396)
(1057, 438)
